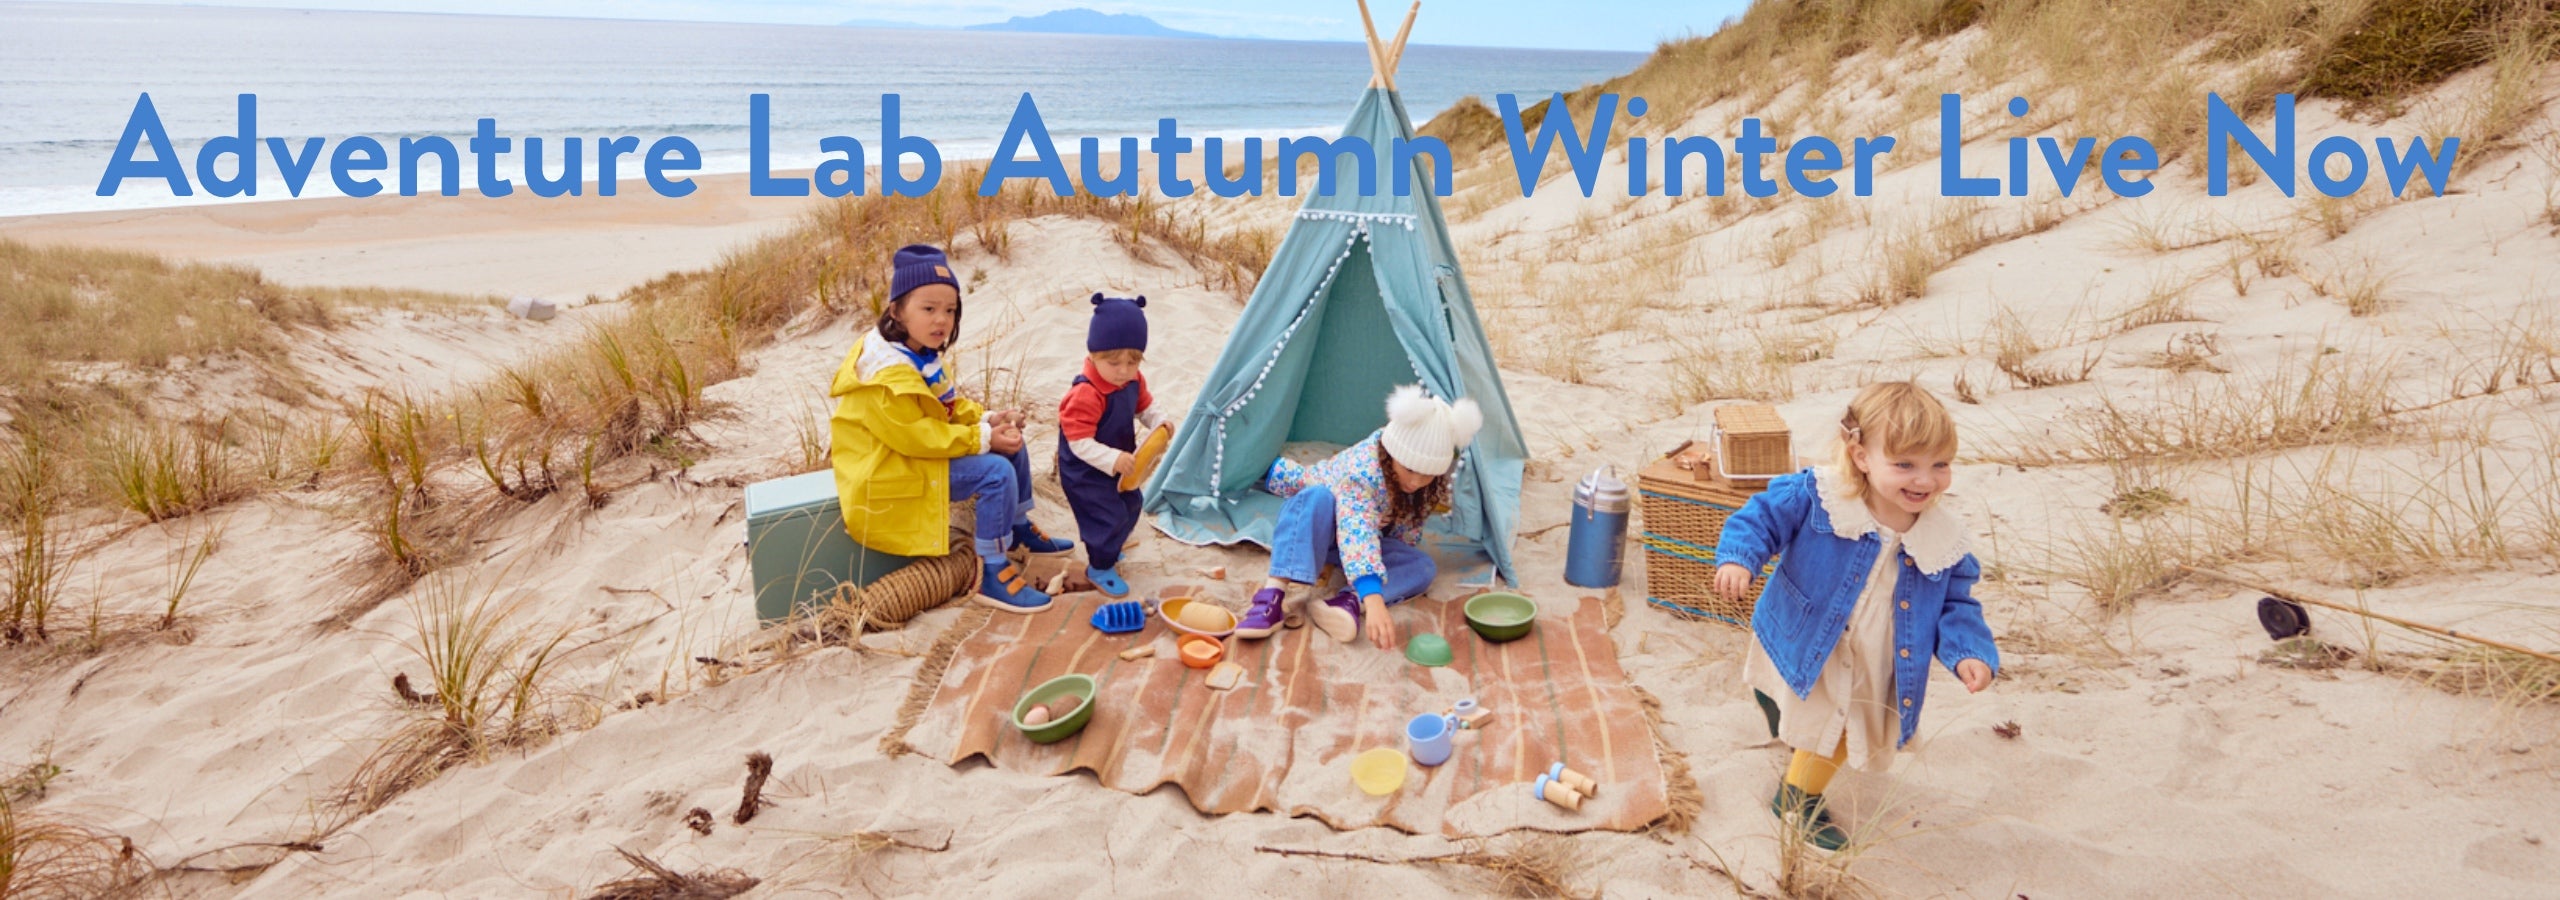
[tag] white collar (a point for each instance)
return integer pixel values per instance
(1935, 542)
(879, 353)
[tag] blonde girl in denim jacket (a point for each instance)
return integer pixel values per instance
(1874, 578)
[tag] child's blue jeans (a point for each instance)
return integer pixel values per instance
(1001, 483)
(1302, 545)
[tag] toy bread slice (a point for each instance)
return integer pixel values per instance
(1150, 451)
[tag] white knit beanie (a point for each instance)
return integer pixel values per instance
(1424, 432)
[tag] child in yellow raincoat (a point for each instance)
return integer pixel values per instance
(906, 444)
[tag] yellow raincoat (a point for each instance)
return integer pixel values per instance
(893, 443)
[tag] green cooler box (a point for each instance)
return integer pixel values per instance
(797, 546)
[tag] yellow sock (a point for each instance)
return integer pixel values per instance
(1811, 774)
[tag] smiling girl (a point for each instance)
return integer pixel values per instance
(1874, 577)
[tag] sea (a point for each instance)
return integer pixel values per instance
(70, 74)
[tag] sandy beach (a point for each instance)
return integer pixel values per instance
(2152, 744)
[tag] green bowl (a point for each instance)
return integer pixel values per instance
(1499, 617)
(1052, 732)
(1427, 649)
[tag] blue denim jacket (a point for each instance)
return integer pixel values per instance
(1826, 543)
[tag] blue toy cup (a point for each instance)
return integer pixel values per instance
(1427, 739)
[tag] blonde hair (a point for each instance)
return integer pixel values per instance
(1124, 356)
(1901, 418)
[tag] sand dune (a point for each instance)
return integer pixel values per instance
(2158, 751)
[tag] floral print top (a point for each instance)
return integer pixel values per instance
(1359, 486)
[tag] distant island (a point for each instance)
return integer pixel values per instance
(1086, 21)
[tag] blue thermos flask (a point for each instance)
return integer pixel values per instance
(1596, 544)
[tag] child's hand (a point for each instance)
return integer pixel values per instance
(1732, 581)
(1005, 439)
(1127, 463)
(1380, 626)
(1975, 674)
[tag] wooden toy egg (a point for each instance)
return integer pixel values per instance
(1038, 716)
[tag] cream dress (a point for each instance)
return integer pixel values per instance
(1853, 696)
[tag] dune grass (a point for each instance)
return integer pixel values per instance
(562, 421)
(30, 497)
(44, 855)
(487, 685)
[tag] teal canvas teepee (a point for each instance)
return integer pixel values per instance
(1363, 295)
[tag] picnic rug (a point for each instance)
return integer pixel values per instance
(1283, 740)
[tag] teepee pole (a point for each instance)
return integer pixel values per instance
(1395, 51)
(1377, 55)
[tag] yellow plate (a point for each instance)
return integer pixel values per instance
(1379, 772)
(1150, 451)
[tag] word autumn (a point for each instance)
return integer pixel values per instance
(358, 165)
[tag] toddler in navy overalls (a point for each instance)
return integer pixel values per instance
(1099, 424)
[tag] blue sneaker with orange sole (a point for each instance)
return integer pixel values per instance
(1005, 587)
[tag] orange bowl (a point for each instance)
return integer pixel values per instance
(1201, 651)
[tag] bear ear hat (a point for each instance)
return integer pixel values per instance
(1141, 301)
(1097, 298)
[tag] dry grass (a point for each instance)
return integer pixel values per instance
(2163, 303)
(565, 421)
(2363, 286)
(657, 882)
(2190, 351)
(2018, 353)
(1704, 369)
(2351, 516)
(2330, 398)
(487, 685)
(186, 558)
(29, 500)
(43, 856)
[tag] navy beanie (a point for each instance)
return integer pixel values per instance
(917, 265)
(1119, 323)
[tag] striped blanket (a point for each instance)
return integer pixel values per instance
(1283, 740)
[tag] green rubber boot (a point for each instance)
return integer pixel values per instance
(1809, 816)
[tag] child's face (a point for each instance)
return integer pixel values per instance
(1117, 367)
(928, 314)
(1908, 482)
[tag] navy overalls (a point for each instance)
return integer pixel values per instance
(1105, 514)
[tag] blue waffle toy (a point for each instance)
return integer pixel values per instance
(1119, 618)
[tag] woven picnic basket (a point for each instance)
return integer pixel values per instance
(1684, 508)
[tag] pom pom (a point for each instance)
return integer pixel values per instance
(1409, 405)
(1464, 421)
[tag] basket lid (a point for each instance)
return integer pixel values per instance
(1750, 419)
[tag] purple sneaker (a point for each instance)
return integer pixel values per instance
(1263, 618)
(1338, 616)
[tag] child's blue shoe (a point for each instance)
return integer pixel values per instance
(1005, 587)
(1107, 581)
(1029, 537)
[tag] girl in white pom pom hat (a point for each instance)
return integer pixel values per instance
(1363, 509)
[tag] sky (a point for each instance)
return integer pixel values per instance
(1635, 25)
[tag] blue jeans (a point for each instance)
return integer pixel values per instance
(1001, 483)
(1302, 545)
